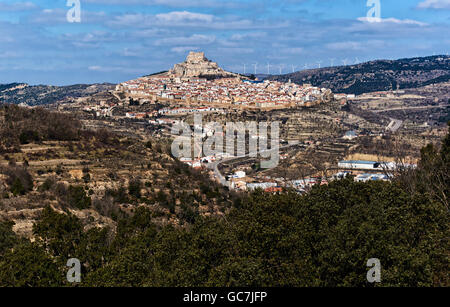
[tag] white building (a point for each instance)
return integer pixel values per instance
(239, 174)
(262, 185)
(350, 135)
(371, 177)
(357, 164)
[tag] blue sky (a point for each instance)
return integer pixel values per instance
(118, 40)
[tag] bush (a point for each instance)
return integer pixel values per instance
(17, 187)
(28, 136)
(19, 180)
(134, 188)
(120, 195)
(48, 184)
(78, 198)
(7, 237)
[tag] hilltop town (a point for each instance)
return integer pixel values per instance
(200, 81)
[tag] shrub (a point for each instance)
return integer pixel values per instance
(28, 136)
(19, 180)
(134, 188)
(48, 184)
(17, 187)
(78, 198)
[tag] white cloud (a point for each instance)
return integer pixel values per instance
(186, 20)
(356, 46)
(172, 3)
(195, 39)
(345, 46)
(17, 6)
(234, 51)
(109, 69)
(391, 20)
(434, 4)
(183, 49)
(165, 19)
(95, 68)
(54, 17)
(293, 50)
(185, 16)
(247, 36)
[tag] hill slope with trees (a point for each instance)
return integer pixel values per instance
(323, 238)
(34, 95)
(380, 75)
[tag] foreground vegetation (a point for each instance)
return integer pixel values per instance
(323, 238)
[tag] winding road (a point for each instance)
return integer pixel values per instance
(215, 165)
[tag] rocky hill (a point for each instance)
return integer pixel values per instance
(197, 65)
(380, 75)
(17, 93)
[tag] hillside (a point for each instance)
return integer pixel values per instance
(16, 93)
(134, 216)
(48, 159)
(380, 75)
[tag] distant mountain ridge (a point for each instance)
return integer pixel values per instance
(17, 93)
(379, 75)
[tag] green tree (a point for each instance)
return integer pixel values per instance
(77, 198)
(60, 234)
(17, 187)
(134, 188)
(7, 237)
(28, 265)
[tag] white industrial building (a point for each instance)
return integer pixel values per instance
(358, 164)
(372, 165)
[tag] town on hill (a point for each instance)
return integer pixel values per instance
(202, 82)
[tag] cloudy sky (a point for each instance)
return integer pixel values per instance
(118, 40)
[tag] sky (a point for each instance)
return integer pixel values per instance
(119, 40)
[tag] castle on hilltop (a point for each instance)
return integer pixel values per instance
(197, 65)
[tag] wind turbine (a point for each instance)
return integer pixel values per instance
(319, 62)
(256, 66)
(281, 68)
(356, 60)
(268, 68)
(344, 61)
(332, 61)
(293, 68)
(245, 66)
